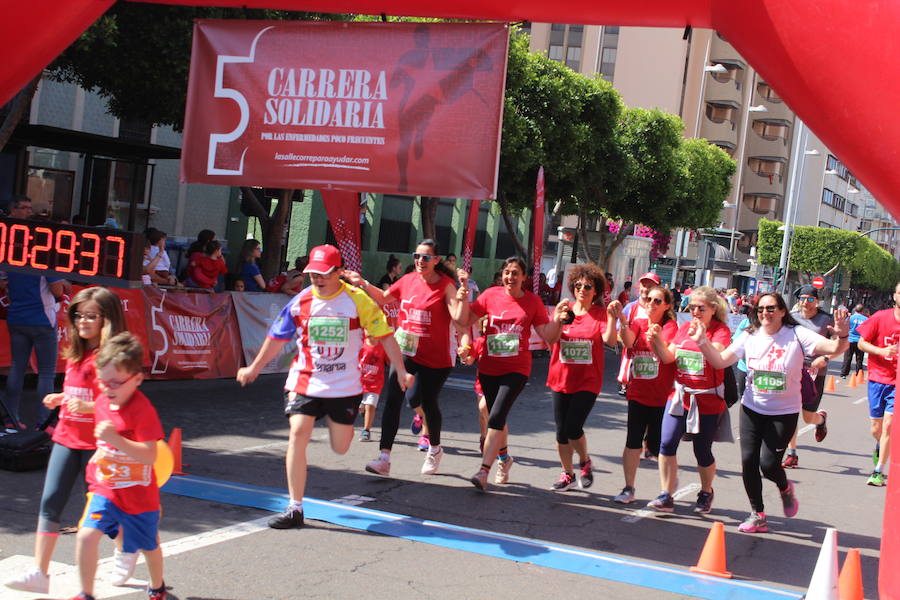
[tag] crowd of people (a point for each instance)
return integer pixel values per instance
(395, 343)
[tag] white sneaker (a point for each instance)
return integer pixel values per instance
(122, 567)
(379, 466)
(432, 462)
(501, 476)
(33, 581)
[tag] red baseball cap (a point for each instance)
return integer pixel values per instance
(650, 277)
(323, 260)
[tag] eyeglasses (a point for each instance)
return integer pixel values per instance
(658, 301)
(584, 286)
(768, 309)
(697, 307)
(808, 299)
(114, 385)
(423, 257)
(89, 317)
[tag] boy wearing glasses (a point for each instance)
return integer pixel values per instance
(121, 481)
(815, 319)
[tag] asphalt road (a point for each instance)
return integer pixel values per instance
(218, 550)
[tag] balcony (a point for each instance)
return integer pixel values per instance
(723, 86)
(720, 120)
(761, 204)
(769, 137)
(764, 175)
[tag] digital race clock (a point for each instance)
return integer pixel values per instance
(96, 255)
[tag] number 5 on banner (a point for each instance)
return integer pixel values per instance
(223, 92)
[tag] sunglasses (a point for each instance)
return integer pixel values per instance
(697, 307)
(768, 309)
(807, 299)
(114, 385)
(584, 286)
(423, 257)
(89, 317)
(658, 301)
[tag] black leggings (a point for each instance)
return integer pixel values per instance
(852, 351)
(424, 393)
(65, 469)
(643, 419)
(570, 412)
(764, 439)
(500, 392)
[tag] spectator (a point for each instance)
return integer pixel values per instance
(450, 261)
(300, 263)
(20, 208)
(162, 275)
(393, 269)
(625, 295)
(544, 290)
(149, 264)
(237, 285)
(498, 279)
(79, 220)
(199, 245)
(205, 267)
(248, 270)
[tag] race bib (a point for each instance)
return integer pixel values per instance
(329, 331)
(768, 381)
(118, 470)
(689, 362)
(503, 344)
(645, 365)
(576, 352)
(408, 342)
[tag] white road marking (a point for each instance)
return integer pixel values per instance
(861, 400)
(649, 512)
(64, 580)
(252, 448)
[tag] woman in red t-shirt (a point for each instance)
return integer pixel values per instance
(576, 369)
(95, 315)
(506, 365)
(697, 402)
(426, 297)
(651, 382)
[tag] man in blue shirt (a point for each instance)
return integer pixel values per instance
(856, 319)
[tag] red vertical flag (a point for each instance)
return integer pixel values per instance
(538, 230)
(343, 214)
(469, 242)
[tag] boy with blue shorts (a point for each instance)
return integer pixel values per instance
(122, 485)
(878, 337)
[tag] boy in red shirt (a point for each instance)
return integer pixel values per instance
(371, 365)
(121, 482)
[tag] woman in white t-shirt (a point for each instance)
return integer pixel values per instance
(773, 347)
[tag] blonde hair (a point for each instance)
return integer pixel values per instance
(712, 298)
(110, 310)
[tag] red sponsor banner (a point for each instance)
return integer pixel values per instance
(407, 108)
(192, 336)
(538, 219)
(343, 214)
(471, 228)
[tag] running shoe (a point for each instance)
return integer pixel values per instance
(755, 523)
(424, 443)
(565, 482)
(289, 519)
(649, 455)
(789, 501)
(704, 502)
(416, 425)
(585, 475)
(479, 479)
(877, 479)
(365, 435)
(158, 594)
(664, 503)
(122, 567)
(790, 461)
(622, 390)
(33, 581)
(501, 476)
(822, 430)
(876, 454)
(379, 466)
(82, 596)
(432, 462)
(626, 496)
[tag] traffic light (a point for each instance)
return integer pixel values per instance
(779, 273)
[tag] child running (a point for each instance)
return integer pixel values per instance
(328, 319)
(371, 365)
(95, 315)
(123, 490)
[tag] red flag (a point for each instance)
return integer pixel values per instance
(343, 214)
(538, 230)
(471, 227)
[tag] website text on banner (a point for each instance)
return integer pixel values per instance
(191, 336)
(409, 108)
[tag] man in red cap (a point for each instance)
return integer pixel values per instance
(328, 318)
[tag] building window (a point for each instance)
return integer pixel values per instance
(573, 58)
(852, 210)
(565, 44)
(761, 204)
(135, 130)
(836, 201)
(720, 113)
(825, 225)
(556, 53)
(611, 30)
(771, 130)
(396, 226)
(770, 167)
(765, 91)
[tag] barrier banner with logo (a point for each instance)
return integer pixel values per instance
(255, 314)
(404, 108)
(192, 336)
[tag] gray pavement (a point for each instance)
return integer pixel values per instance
(239, 435)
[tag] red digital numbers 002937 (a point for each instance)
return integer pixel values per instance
(62, 250)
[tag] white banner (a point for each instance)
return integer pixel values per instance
(256, 311)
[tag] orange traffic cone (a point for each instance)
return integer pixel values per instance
(175, 445)
(864, 376)
(712, 559)
(852, 383)
(829, 387)
(850, 585)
